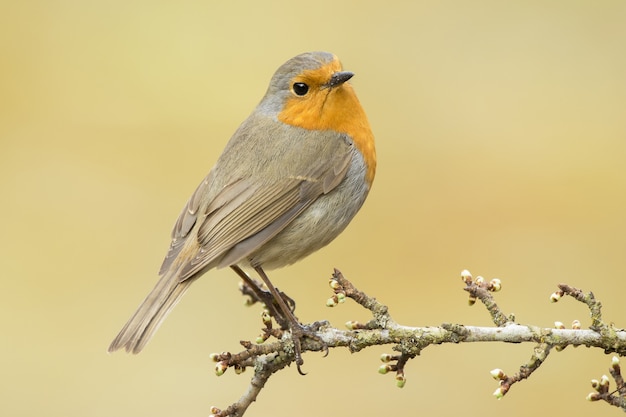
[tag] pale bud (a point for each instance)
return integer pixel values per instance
(400, 380)
(353, 325)
(385, 357)
(498, 393)
(615, 361)
(266, 318)
(495, 285)
(334, 284)
(554, 297)
(466, 276)
(593, 396)
(480, 280)
(220, 368)
(604, 381)
(498, 374)
(559, 325)
(576, 325)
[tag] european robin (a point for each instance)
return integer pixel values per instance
(289, 181)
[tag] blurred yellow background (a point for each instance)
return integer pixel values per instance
(501, 136)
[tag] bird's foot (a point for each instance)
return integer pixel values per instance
(298, 333)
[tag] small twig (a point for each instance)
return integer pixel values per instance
(540, 354)
(344, 288)
(616, 373)
(601, 387)
(481, 289)
(607, 331)
(265, 367)
(595, 307)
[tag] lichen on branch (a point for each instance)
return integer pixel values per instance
(268, 357)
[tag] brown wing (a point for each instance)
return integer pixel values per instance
(245, 213)
(185, 222)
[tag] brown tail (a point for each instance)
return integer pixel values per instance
(144, 323)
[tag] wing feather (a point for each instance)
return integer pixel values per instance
(246, 212)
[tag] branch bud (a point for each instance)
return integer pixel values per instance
(385, 358)
(471, 300)
(593, 396)
(554, 297)
(353, 325)
(383, 369)
(595, 384)
(334, 284)
(400, 380)
(604, 381)
(615, 362)
(495, 285)
(466, 276)
(498, 393)
(266, 318)
(576, 325)
(479, 280)
(559, 325)
(220, 368)
(498, 374)
(332, 301)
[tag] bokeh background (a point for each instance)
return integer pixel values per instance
(501, 136)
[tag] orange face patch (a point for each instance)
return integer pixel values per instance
(337, 109)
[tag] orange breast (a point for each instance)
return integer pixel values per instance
(336, 109)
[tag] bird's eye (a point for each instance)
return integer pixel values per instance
(300, 89)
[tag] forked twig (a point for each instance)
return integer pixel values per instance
(267, 358)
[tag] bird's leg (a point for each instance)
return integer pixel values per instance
(263, 296)
(298, 331)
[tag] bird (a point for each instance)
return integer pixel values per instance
(288, 182)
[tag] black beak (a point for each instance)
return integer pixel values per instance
(339, 78)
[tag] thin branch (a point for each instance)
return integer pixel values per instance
(616, 398)
(539, 356)
(269, 358)
(481, 289)
(595, 307)
(264, 368)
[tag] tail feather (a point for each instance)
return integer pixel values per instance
(140, 328)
